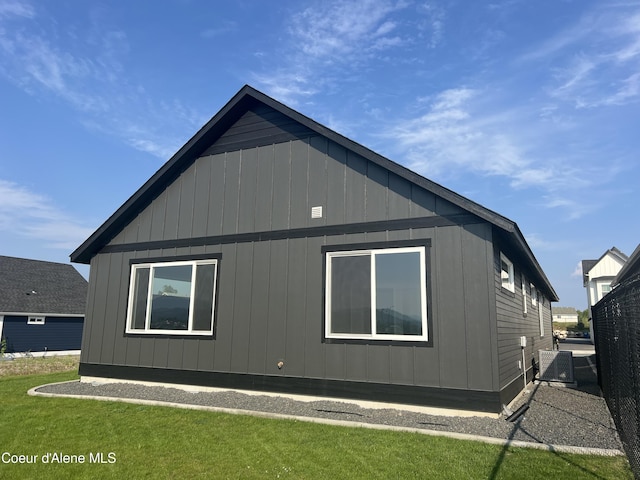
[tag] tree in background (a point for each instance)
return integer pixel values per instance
(583, 319)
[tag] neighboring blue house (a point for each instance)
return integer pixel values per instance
(42, 305)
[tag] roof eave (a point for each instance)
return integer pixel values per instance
(171, 168)
(225, 117)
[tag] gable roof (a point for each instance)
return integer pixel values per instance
(215, 128)
(39, 287)
(588, 265)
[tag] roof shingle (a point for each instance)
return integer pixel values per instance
(35, 286)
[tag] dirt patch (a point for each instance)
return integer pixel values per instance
(38, 365)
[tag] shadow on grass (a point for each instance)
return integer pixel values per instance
(585, 386)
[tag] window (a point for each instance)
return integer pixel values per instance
(172, 297)
(523, 285)
(376, 294)
(506, 273)
(541, 316)
(606, 288)
(35, 321)
(534, 295)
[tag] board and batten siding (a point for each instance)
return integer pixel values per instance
(271, 292)
(221, 195)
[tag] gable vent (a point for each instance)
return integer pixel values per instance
(316, 212)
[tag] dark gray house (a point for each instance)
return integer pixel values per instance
(272, 253)
(42, 305)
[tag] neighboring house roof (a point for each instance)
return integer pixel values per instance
(227, 116)
(630, 268)
(39, 287)
(588, 265)
(563, 311)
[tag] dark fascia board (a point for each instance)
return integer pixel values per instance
(181, 160)
(220, 122)
(518, 239)
(518, 251)
(631, 267)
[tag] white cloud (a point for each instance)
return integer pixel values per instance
(31, 215)
(342, 28)
(464, 131)
(577, 272)
(342, 40)
(595, 62)
(449, 137)
(86, 70)
(16, 8)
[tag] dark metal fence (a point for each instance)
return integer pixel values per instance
(617, 337)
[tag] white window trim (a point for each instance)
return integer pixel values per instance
(35, 321)
(534, 295)
(511, 281)
(151, 266)
(375, 336)
(524, 295)
(541, 316)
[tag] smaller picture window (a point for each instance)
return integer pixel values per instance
(541, 316)
(534, 295)
(506, 273)
(172, 297)
(35, 321)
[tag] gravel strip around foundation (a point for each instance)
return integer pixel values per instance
(556, 415)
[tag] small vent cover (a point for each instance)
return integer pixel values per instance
(556, 366)
(316, 212)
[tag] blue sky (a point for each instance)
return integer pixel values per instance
(528, 108)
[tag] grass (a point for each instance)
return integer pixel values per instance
(161, 442)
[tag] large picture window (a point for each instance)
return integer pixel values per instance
(376, 294)
(172, 297)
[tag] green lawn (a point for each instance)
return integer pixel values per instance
(162, 442)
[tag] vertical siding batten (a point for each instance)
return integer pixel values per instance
(241, 318)
(186, 211)
(299, 199)
(226, 304)
(216, 205)
(277, 314)
(314, 351)
(296, 308)
(264, 188)
(259, 308)
(453, 347)
(475, 264)
(247, 190)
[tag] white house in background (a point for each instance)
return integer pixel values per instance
(564, 314)
(598, 275)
